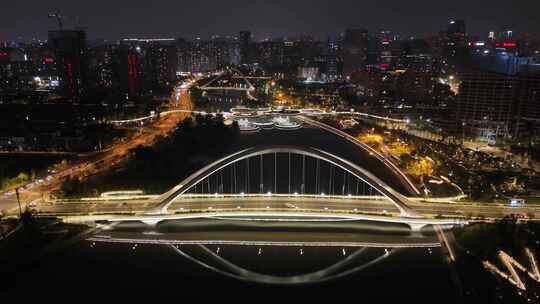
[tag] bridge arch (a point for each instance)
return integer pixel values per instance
(400, 201)
(329, 273)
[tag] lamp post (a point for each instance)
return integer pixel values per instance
(463, 125)
(19, 202)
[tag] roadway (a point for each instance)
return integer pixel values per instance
(322, 204)
(101, 161)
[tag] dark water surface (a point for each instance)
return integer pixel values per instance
(102, 271)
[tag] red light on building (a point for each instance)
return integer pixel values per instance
(506, 44)
(132, 73)
(48, 60)
(70, 79)
(384, 66)
(3, 54)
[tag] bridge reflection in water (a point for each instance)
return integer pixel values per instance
(275, 252)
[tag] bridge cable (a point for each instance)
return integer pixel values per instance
(231, 181)
(348, 183)
(261, 185)
(275, 172)
(234, 173)
(317, 177)
(221, 177)
(303, 174)
(247, 176)
(343, 185)
(364, 189)
(289, 172)
(331, 177)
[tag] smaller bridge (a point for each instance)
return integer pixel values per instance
(220, 83)
(157, 241)
(415, 224)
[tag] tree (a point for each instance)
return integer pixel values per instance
(420, 168)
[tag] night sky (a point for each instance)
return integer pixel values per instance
(112, 19)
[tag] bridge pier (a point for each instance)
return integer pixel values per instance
(416, 227)
(151, 222)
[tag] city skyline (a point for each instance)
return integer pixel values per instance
(266, 20)
(243, 150)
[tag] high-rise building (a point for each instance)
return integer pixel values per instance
(157, 60)
(270, 53)
(244, 40)
(485, 104)
(69, 48)
(221, 51)
(455, 44)
(499, 96)
(386, 43)
(101, 72)
(355, 50)
(207, 55)
(161, 63)
(457, 27)
(528, 97)
(303, 51)
(333, 62)
(128, 71)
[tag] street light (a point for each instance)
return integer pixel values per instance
(19, 202)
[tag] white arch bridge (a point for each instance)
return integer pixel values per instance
(348, 167)
(158, 207)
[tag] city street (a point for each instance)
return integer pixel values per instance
(102, 161)
(322, 204)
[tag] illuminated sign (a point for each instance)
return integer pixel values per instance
(477, 43)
